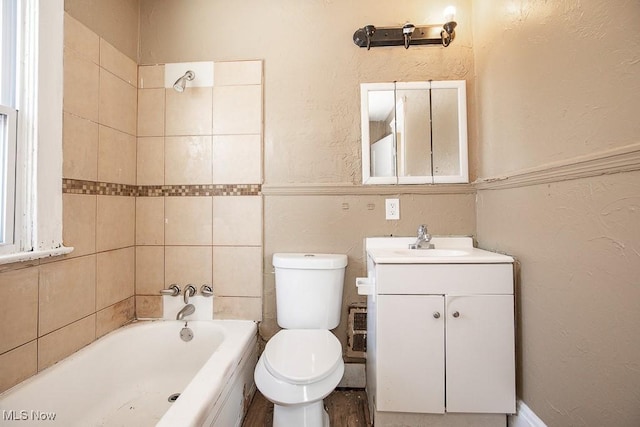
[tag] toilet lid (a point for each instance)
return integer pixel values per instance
(302, 356)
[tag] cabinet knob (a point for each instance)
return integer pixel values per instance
(456, 314)
(436, 315)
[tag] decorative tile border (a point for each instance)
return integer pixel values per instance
(77, 186)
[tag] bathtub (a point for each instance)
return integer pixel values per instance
(126, 378)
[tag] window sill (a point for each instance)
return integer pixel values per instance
(30, 256)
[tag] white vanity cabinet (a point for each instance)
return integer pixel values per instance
(441, 337)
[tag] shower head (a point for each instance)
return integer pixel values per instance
(180, 84)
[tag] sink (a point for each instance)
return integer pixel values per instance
(448, 250)
(431, 252)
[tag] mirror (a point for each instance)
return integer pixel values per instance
(414, 132)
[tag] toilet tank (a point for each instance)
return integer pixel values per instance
(309, 289)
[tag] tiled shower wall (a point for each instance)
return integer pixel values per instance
(199, 170)
(49, 309)
(159, 188)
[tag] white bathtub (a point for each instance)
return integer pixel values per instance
(126, 377)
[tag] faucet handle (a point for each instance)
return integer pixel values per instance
(174, 290)
(422, 230)
(189, 291)
(206, 290)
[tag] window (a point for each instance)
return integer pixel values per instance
(8, 121)
(31, 129)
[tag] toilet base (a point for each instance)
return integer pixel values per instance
(311, 415)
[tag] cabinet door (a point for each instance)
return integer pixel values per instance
(410, 353)
(480, 354)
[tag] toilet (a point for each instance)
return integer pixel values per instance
(303, 363)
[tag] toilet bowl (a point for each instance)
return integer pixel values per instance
(299, 368)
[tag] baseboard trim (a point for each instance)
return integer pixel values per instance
(524, 417)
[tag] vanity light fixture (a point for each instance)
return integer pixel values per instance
(369, 36)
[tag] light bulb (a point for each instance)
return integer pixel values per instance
(449, 14)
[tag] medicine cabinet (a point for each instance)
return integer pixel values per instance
(414, 132)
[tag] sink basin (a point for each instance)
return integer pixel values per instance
(448, 250)
(431, 252)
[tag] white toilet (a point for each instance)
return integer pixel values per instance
(302, 363)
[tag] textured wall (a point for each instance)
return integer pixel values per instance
(555, 81)
(312, 68)
(312, 76)
(116, 21)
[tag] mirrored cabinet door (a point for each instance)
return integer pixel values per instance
(414, 133)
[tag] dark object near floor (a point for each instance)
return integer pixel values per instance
(346, 408)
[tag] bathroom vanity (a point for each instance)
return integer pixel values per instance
(440, 337)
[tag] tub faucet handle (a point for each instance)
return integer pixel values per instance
(189, 291)
(174, 290)
(206, 290)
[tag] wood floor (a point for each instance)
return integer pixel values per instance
(346, 408)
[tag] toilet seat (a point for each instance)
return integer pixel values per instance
(302, 356)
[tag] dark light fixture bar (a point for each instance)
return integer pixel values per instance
(369, 36)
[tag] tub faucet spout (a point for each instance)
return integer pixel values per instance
(186, 311)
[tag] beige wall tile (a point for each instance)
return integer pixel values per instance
(187, 264)
(115, 276)
(150, 158)
(67, 292)
(237, 271)
(237, 159)
(189, 112)
(148, 307)
(151, 112)
(18, 365)
(116, 156)
(187, 221)
(237, 220)
(150, 76)
(111, 59)
(188, 160)
(237, 73)
(118, 103)
(18, 307)
(116, 220)
(115, 316)
(244, 308)
(79, 223)
(149, 270)
(149, 220)
(81, 39)
(57, 345)
(19, 265)
(80, 148)
(81, 86)
(237, 110)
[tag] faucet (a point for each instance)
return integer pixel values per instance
(423, 239)
(189, 291)
(186, 311)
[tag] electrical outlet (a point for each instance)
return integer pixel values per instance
(392, 208)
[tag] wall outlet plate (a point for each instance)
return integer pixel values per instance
(392, 208)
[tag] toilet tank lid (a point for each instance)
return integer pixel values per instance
(309, 261)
